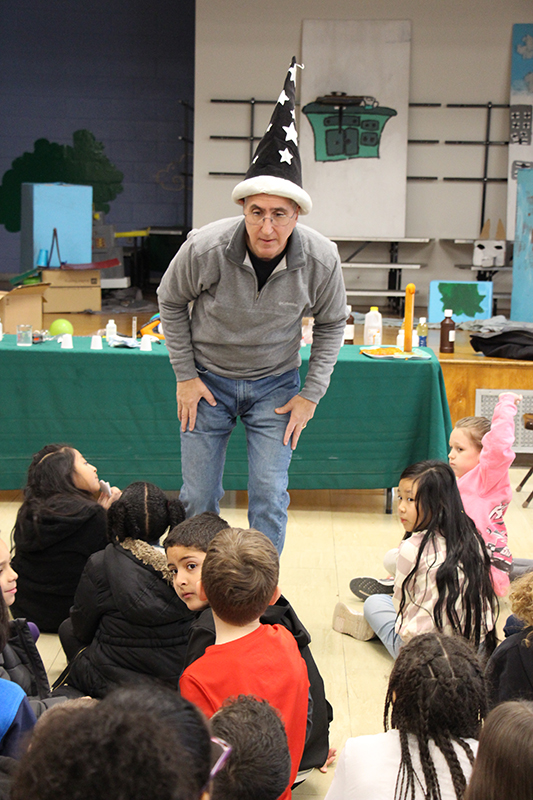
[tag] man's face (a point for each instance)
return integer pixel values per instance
(265, 240)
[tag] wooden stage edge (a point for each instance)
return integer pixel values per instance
(464, 371)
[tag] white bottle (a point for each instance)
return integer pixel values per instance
(110, 330)
(1, 331)
(373, 326)
(349, 329)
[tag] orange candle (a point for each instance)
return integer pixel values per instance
(409, 316)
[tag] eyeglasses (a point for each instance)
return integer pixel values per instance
(220, 750)
(278, 219)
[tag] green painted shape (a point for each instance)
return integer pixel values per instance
(464, 298)
(357, 136)
(83, 164)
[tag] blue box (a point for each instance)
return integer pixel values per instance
(67, 208)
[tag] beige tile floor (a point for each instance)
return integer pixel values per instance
(332, 536)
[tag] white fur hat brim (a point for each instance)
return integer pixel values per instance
(268, 184)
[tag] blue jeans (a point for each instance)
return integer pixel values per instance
(203, 450)
(381, 615)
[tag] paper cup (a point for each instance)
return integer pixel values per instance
(66, 341)
(146, 344)
(96, 342)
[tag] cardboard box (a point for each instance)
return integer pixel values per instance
(23, 306)
(71, 277)
(65, 299)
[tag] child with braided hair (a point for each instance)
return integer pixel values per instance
(127, 623)
(435, 703)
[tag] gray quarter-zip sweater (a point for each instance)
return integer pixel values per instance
(238, 332)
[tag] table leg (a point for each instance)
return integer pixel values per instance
(388, 501)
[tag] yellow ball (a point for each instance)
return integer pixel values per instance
(60, 326)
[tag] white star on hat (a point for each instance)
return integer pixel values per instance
(285, 156)
(282, 99)
(291, 133)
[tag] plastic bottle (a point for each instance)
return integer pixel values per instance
(349, 330)
(447, 333)
(110, 330)
(373, 326)
(422, 331)
(400, 339)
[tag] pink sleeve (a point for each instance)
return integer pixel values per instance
(497, 453)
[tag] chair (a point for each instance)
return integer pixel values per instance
(528, 423)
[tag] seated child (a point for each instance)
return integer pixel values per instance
(434, 708)
(61, 522)
(100, 752)
(510, 668)
(186, 546)
(239, 580)
(20, 661)
(16, 718)
(504, 761)
(481, 452)
(126, 623)
(259, 765)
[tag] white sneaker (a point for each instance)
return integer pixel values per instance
(346, 620)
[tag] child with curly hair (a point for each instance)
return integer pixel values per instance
(510, 668)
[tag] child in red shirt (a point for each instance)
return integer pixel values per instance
(239, 580)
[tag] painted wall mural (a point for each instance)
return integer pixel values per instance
(84, 163)
(346, 127)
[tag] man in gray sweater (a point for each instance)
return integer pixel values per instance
(251, 280)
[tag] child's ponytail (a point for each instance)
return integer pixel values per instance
(143, 512)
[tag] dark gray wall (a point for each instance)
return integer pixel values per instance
(115, 67)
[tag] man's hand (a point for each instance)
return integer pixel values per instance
(188, 395)
(302, 411)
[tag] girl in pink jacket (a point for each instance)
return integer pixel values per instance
(480, 456)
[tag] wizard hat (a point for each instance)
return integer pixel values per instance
(276, 167)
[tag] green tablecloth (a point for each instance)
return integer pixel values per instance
(118, 407)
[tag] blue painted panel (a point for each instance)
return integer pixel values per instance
(67, 208)
(522, 296)
(467, 299)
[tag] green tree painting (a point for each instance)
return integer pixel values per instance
(84, 164)
(464, 298)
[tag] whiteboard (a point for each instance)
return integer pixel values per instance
(357, 196)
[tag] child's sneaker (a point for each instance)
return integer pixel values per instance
(364, 587)
(345, 620)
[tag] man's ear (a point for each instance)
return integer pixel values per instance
(275, 596)
(200, 592)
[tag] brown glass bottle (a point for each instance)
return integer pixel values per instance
(447, 333)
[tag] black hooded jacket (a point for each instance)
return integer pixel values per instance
(49, 559)
(130, 619)
(21, 663)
